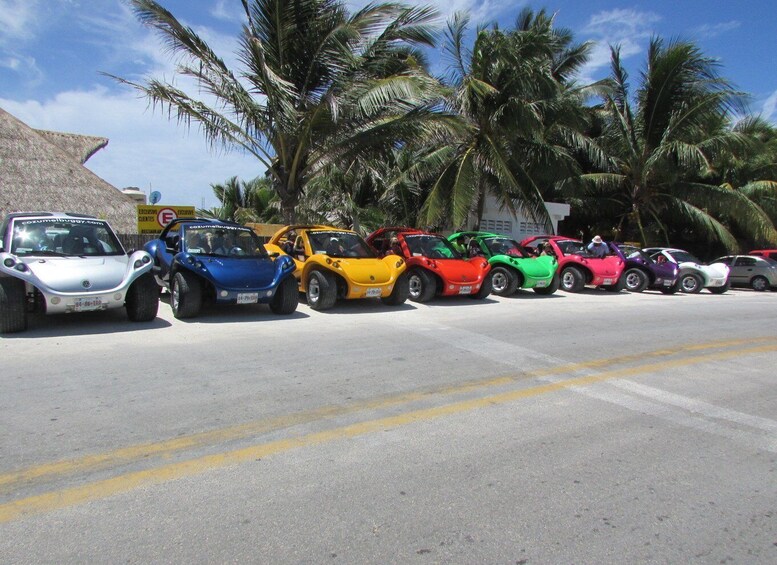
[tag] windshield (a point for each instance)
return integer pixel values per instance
(432, 246)
(64, 237)
(340, 244)
(570, 247)
(633, 252)
(223, 241)
(683, 257)
(505, 246)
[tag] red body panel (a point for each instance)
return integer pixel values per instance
(455, 275)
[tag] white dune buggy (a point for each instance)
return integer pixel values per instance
(61, 263)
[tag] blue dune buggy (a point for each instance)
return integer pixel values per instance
(201, 260)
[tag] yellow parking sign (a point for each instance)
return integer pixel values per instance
(151, 219)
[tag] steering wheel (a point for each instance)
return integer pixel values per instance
(237, 251)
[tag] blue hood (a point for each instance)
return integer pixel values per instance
(234, 273)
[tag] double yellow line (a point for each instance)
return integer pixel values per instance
(96, 490)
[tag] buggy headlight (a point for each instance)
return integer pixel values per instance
(138, 264)
(9, 263)
(21, 267)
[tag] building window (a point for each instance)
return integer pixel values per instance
(504, 227)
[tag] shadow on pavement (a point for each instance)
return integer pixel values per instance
(87, 323)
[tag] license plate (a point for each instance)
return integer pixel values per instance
(247, 297)
(607, 281)
(541, 284)
(373, 292)
(86, 304)
(465, 290)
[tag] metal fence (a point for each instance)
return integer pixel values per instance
(135, 240)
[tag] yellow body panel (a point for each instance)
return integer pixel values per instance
(364, 277)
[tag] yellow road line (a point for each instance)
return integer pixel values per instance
(102, 489)
(140, 452)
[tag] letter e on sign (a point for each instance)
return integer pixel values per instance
(165, 216)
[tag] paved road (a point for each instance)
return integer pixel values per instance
(591, 428)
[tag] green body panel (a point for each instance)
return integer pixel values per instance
(535, 271)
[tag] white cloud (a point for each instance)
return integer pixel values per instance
(769, 107)
(24, 66)
(145, 149)
(626, 28)
(18, 19)
(709, 31)
(481, 11)
(228, 11)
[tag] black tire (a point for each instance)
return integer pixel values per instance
(399, 294)
(185, 295)
(619, 285)
(720, 289)
(690, 283)
(321, 290)
(421, 285)
(286, 297)
(636, 280)
(504, 281)
(13, 314)
(142, 300)
(551, 288)
(759, 283)
(671, 289)
(485, 289)
(572, 279)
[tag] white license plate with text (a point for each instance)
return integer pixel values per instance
(247, 297)
(86, 304)
(373, 292)
(465, 290)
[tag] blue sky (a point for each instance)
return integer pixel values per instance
(52, 53)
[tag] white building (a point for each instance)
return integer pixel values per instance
(519, 227)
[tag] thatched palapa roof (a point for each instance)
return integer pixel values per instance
(43, 171)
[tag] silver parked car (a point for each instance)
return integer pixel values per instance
(60, 262)
(758, 273)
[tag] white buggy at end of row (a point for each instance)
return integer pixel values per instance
(62, 262)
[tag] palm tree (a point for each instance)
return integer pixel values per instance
(524, 115)
(754, 173)
(318, 86)
(241, 201)
(662, 146)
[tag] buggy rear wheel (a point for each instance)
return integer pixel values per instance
(551, 288)
(400, 292)
(421, 285)
(185, 295)
(504, 282)
(13, 315)
(321, 290)
(286, 297)
(142, 300)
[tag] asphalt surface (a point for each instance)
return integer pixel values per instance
(590, 428)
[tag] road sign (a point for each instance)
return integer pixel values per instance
(155, 197)
(151, 219)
